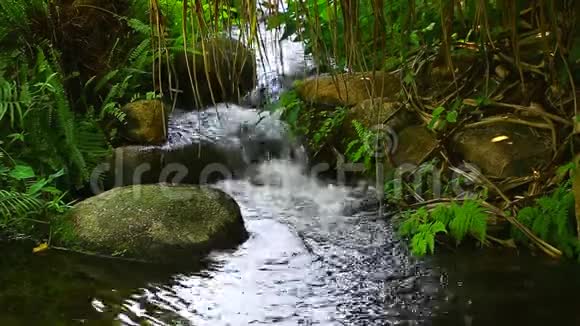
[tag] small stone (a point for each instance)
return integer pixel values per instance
(146, 122)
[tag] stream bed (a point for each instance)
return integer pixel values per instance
(306, 263)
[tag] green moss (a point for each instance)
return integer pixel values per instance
(152, 221)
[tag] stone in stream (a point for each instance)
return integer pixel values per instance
(504, 149)
(194, 163)
(348, 89)
(156, 223)
(203, 147)
(134, 165)
(146, 122)
(222, 70)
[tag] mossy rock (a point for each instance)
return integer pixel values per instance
(504, 149)
(157, 223)
(348, 89)
(223, 70)
(146, 122)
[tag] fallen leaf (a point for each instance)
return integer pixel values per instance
(40, 248)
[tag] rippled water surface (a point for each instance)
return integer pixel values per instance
(305, 263)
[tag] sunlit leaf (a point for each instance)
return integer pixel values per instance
(22, 172)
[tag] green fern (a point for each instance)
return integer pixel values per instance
(551, 219)
(139, 26)
(411, 222)
(330, 124)
(14, 203)
(424, 240)
(361, 148)
(143, 48)
(66, 120)
(469, 218)
(443, 214)
(460, 221)
(12, 104)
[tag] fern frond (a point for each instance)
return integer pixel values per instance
(139, 26)
(17, 204)
(143, 48)
(59, 106)
(443, 214)
(361, 131)
(424, 240)
(12, 105)
(468, 218)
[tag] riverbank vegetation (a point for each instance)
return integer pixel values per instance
(66, 70)
(495, 85)
(477, 100)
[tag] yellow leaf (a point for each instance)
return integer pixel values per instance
(41, 247)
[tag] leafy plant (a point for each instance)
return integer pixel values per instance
(551, 219)
(362, 148)
(290, 105)
(442, 116)
(468, 218)
(27, 196)
(459, 221)
(332, 121)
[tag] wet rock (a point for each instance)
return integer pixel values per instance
(348, 89)
(204, 147)
(158, 223)
(504, 150)
(202, 162)
(224, 71)
(412, 145)
(146, 122)
(407, 286)
(361, 200)
(134, 165)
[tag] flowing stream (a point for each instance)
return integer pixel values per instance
(310, 260)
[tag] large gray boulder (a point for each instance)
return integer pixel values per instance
(157, 223)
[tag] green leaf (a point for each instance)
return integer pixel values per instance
(452, 116)
(22, 172)
(436, 115)
(438, 111)
(564, 169)
(409, 78)
(37, 186)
